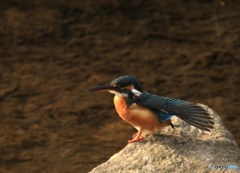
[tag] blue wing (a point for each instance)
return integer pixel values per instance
(189, 112)
(162, 116)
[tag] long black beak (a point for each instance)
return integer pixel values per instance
(104, 88)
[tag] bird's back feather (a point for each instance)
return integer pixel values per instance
(189, 112)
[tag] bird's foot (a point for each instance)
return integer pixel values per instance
(135, 140)
(136, 137)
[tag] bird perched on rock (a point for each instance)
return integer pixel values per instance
(148, 113)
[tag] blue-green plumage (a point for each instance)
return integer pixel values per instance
(162, 116)
(166, 107)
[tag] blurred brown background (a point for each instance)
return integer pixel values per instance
(51, 52)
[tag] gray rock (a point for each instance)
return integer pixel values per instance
(183, 149)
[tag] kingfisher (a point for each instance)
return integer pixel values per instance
(149, 113)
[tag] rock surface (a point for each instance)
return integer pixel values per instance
(183, 149)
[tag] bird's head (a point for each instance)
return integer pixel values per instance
(120, 85)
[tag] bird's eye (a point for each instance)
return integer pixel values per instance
(130, 87)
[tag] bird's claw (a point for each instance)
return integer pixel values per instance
(136, 137)
(135, 140)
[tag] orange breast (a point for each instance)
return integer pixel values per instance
(121, 107)
(143, 117)
(136, 115)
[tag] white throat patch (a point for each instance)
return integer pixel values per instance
(136, 92)
(116, 93)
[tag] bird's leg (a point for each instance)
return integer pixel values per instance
(137, 137)
(134, 135)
